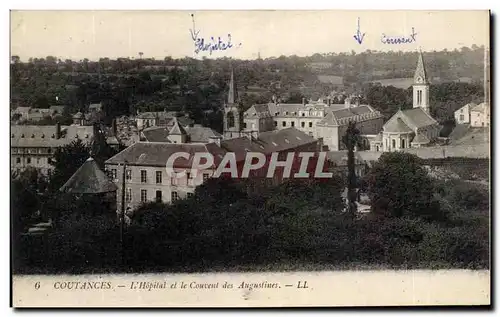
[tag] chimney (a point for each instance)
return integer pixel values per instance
(113, 127)
(58, 130)
(304, 101)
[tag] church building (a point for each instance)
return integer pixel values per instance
(411, 127)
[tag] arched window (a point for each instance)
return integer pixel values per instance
(393, 143)
(402, 143)
(230, 120)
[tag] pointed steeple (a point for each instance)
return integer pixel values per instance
(232, 96)
(420, 73)
(177, 129)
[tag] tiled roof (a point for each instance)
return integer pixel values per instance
(418, 117)
(282, 140)
(155, 134)
(157, 154)
(157, 114)
(88, 179)
(397, 125)
(201, 134)
(45, 136)
(240, 146)
(341, 112)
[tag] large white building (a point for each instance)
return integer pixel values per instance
(411, 127)
(321, 119)
(480, 115)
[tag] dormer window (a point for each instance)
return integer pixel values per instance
(33, 135)
(274, 143)
(286, 141)
(53, 136)
(43, 136)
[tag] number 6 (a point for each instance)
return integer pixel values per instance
(37, 285)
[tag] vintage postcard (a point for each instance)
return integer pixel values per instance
(250, 158)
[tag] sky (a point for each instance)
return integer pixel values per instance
(95, 34)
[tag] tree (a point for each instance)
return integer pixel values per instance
(66, 161)
(352, 140)
(399, 186)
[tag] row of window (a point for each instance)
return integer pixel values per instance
(29, 160)
(403, 144)
(158, 195)
(292, 124)
(144, 175)
(32, 150)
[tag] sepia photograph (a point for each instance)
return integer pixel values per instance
(157, 157)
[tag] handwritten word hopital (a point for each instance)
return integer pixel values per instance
(211, 45)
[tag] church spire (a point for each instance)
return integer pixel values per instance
(420, 73)
(232, 96)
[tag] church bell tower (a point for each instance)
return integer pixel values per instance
(421, 86)
(232, 113)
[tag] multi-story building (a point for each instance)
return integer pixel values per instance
(321, 120)
(146, 177)
(34, 146)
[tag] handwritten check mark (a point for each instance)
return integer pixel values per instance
(358, 36)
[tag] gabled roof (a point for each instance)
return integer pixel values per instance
(397, 125)
(418, 117)
(282, 140)
(155, 134)
(88, 179)
(177, 129)
(201, 134)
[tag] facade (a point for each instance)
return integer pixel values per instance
(146, 178)
(480, 115)
(34, 146)
(320, 120)
(411, 127)
(462, 115)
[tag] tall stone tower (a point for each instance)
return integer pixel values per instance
(232, 114)
(421, 86)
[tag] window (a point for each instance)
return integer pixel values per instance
(244, 125)
(275, 123)
(188, 175)
(205, 176)
(128, 195)
(230, 120)
(113, 173)
(143, 176)
(293, 123)
(49, 150)
(461, 117)
(303, 114)
(402, 143)
(18, 160)
(38, 160)
(393, 143)
(128, 174)
(158, 177)
(175, 196)
(283, 123)
(144, 195)
(190, 195)
(28, 160)
(310, 124)
(461, 110)
(303, 124)
(158, 195)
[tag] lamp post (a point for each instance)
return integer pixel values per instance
(122, 214)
